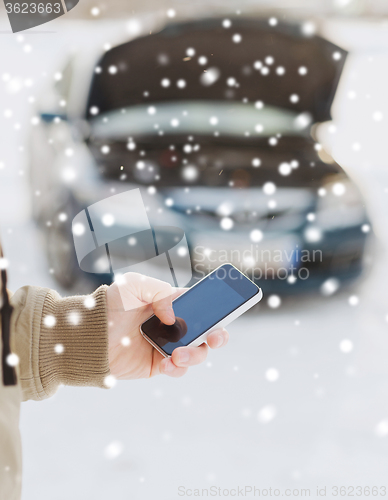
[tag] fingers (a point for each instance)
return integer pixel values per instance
(189, 356)
(181, 359)
(218, 338)
(184, 357)
(167, 367)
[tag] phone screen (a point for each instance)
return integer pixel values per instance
(201, 307)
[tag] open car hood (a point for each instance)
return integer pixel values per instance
(132, 73)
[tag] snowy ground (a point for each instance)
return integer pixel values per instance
(224, 424)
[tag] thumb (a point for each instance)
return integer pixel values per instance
(159, 295)
(162, 306)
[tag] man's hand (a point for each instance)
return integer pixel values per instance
(130, 355)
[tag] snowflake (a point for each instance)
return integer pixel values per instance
(313, 234)
(330, 286)
(110, 381)
(302, 121)
(169, 202)
(113, 450)
(272, 141)
(353, 300)
(272, 204)
(256, 235)
(267, 414)
(108, 220)
(12, 360)
(338, 189)
(4, 263)
(377, 116)
(59, 349)
(310, 217)
(346, 346)
(78, 229)
(308, 28)
(210, 76)
(73, 318)
(274, 301)
(89, 302)
(190, 173)
(49, 321)
(226, 223)
(225, 209)
(381, 429)
(284, 168)
(269, 188)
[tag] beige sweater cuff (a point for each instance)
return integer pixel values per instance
(73, 342)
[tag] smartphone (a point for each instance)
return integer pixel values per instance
(212, 303)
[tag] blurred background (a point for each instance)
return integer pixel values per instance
(299, 398)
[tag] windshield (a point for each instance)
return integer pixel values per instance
(199, 117)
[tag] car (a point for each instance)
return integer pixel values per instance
(214, 121)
